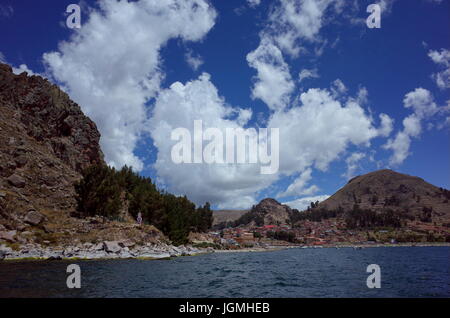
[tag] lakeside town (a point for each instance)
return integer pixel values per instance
(316, 234)
(145, 242)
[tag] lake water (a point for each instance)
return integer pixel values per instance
(326, 272)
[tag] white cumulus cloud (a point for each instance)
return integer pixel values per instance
(254, 3)
(308, 73)
(194, 61)
(23, 68)
(319, 129)
(352, 164)
(111, 66)
(422, 103)
(303, 203)
(442, 59)
(295, 20)
(227, 185)
(387, 125)
(299, 186)
(273, 82)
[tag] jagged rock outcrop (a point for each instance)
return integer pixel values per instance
(267, 212)
(46, 142)
(34, 218)
(272, 211)
(47, 115)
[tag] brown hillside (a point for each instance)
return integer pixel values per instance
(46, 142)
(383, 189)
(221, 216)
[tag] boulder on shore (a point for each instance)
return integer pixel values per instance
(127, 243)
(112, 246)
(34, 218)
(8, 236)
(98, 247)
(16, 181)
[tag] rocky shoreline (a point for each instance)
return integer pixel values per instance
(354, 246)
(104, 250)
(128, 250)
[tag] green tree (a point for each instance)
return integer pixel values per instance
(98, 192)
(103, 190)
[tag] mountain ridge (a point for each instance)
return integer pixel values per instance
(383, 191)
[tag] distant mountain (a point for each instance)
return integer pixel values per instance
(267, 212)
(387, 189)
(270, 211)
(379, 198)
(221, 216)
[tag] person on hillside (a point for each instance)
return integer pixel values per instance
(139, 218)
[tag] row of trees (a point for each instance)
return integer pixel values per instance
(315, 214)
(282, 236)
(361, 218)
(105, 191)
(354, 218)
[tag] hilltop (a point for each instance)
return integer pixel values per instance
(267, 212)
(386, 189)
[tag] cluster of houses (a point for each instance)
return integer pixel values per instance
(309, 233)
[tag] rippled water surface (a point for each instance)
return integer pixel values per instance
(327, 272)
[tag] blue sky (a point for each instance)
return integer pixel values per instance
(122, 64)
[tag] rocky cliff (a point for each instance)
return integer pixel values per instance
(46, 142)
(272, 211)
